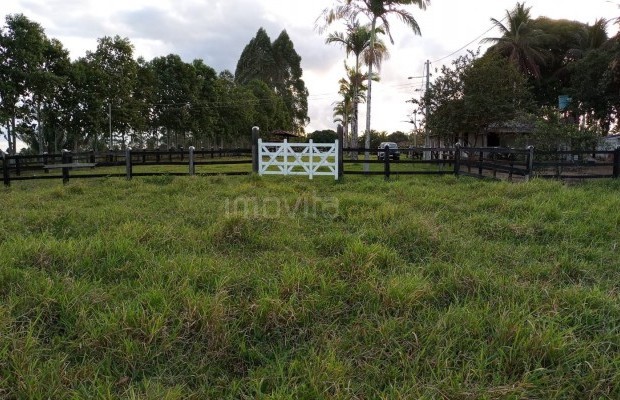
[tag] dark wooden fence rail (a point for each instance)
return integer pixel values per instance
(577, 164)
(497, 163)
(61, 166)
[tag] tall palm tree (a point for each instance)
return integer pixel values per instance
(377, 11)
(520, 42)
(591, 37)
(356, 41)
(352, 91)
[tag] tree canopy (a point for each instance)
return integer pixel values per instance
(528, 67)
(278, 66)
(108, 98)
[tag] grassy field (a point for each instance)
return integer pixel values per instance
(422, 287)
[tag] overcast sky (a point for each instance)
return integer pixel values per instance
(217, 31)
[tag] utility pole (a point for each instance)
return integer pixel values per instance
(415, 126)
(427, 142)
(110, 122)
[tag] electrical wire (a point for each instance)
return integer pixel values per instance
(463, 47)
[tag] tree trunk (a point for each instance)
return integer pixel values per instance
(8, 137)
(13, 143)
(369, 96)
(354, 119)
(40, 129)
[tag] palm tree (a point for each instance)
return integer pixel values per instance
(591, 37)
(357, 42)
(377, 11)
(520, 42)
(342, 114)
(352, 91)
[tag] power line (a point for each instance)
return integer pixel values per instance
(463, 47)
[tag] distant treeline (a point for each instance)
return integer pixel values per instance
(110, 99)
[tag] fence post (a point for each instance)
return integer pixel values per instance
(66, 159)
(480, 160)
(311, 158)
(45, 154)
(339, 151)
(386, 162)
(457, 159)
(128, 163)
(530, 163)
(5, 170)
(18, 170)
(617, 162)
(259, 144)
(192, 166)
(255, 132)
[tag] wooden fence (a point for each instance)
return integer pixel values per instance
(494, 163)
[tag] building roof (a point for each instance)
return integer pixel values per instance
(284, 134)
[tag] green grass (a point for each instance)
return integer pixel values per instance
(422, 287)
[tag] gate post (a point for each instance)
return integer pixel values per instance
(457, 159)
(259, 143)
(616, 173)
(192, 166)
(5, 170)
(66, 159)
(18, 170)
(386, 162)
(339, 151)
(45, 154)
(255, 132)
(128, 163)
(529, 162)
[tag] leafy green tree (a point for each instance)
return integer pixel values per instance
(22, 47)
(376, 138)
(144, 96)
(564, 42)
(552, 132)
(324, 136)
(86, 108)
(236, 110)
(398, 137)
(203, 114)
(48, 103)
(473, 94)
(278, 65)
(289, 83)
(271, 112)
(594, 87)
(175, 94)
(257, 60)
(113, 64)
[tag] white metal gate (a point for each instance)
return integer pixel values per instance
(312, 159)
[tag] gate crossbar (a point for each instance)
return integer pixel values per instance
(311, 159)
